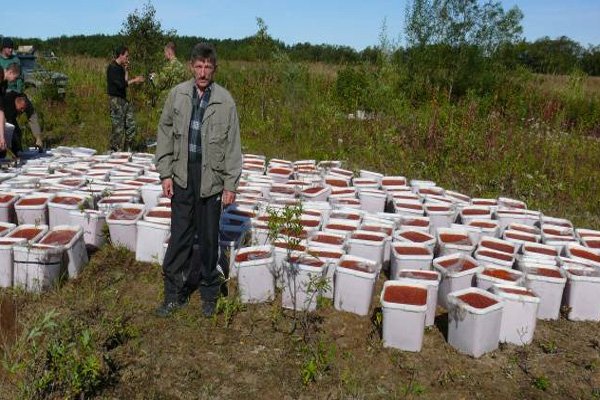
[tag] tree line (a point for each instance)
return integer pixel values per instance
(545, 55)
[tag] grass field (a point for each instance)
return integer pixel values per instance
(96, 334)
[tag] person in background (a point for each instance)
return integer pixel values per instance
(13, 74)
(8, 57)
(2, 119)
(199, 159)
(121, 110)
(172, 73)
(14, 105)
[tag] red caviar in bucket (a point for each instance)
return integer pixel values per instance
(416, 236)
(482, 224)
(125, 213)
(521, 291)
(5, 198)
(500, 274)
(355, 265)
(503, 247)
(66, 200)
(588, 255)
(307, 260)
(323, 238)
(252, 255)
(364, 236)
(551, 273)
(284, 245)
(411, 251)
(405, 295)
(375, 228)
(458, 264)
(340, 227)
(430, 276)
(27, 233)
(477, 300)
(325, 254)
(32, 201)
(498, 255)
(541, 250)
(353, 217)
(519, 236)
(159, 214)
(475, 211)
(455, 238)
(416, 222)
(61, 238)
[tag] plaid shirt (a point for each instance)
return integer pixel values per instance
(198, 108)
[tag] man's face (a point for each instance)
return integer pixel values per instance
(6, 52)
(20, 104)
(204, 71)
(10, 76)
(123, 59)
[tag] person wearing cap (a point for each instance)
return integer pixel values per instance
(8, 57)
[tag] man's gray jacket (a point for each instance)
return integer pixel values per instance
(220, 139)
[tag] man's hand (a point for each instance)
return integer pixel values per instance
(167, 187)
(227, 198)
(2, 143)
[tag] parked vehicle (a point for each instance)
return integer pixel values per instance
(37, 76)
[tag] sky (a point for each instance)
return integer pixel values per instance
(351, 23)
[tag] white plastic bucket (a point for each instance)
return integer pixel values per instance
(404, 306)
(93, 223)
(74, 248)
(431, 279)
(582, 293)
(519, 315)
(253, 267)
(354, 284)
(457, 272)
(6, 260)
(37, 267)
(299, 275)
(409, 256)
(474, 321)
(60, 206)
(7, 206)
(149, 235)
(124, 231)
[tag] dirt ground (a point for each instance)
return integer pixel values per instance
(256, 354)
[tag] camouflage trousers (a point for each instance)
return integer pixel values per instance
(123, 124)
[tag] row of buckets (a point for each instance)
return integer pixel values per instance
(492, 264)
(55, 209)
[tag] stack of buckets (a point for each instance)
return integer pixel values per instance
(493, 265)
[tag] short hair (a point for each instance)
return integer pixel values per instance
(14, 68)
(120, 50)
(171, 46)
(204, 51)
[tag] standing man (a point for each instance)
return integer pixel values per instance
(121, 110)
(199, 159)
(173, 72)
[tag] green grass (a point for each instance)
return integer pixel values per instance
(534, 141)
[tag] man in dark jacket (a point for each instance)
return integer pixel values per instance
(14, 104)
(121, 111)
